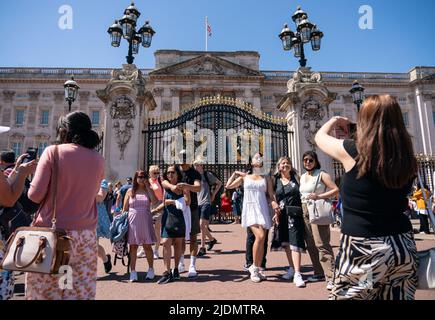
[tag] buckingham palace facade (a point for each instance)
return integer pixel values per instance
(210, 85)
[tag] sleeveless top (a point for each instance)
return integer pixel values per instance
(288, 194)
(308, 182)
(369, 208)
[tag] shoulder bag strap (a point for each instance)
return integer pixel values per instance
(317, 182)
(54, 178)
(53, 190)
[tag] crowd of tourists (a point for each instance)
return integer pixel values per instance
(161, 210)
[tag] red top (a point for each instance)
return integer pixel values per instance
(226, 204)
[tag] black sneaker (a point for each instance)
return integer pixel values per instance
(211, 244)
(166, 278)
(201, 252)
(316, 278)
(108, 264)
(175, 274)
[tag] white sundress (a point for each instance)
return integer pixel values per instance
(255, 207)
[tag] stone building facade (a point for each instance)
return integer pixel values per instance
(32, 99)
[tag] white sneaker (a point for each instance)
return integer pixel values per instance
(141, 253)
(133, 276)
(192, 272)
(330, 285)
(298, 281)
(156, 254)
(261, 274)
(150, 274)
(289, 274)
(255, 274)
(181, 267)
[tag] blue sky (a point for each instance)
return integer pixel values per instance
(31, 36)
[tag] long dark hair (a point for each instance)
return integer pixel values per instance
(384, 146)
(135, 186)
(313, 155)
(76, 127)
(177, 171)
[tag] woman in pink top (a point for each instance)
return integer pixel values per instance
(80, 171)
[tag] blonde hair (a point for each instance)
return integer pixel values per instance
(292, 171)
(153, 167)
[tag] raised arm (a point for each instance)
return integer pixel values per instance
(333, 146)
(101, 195)
(234, 182)
(10, 192)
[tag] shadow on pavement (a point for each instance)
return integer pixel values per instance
(222, 275)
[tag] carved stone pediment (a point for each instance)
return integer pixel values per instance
(206, 65)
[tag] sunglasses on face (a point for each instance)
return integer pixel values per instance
(309, 160)
(155, 172)
(141, 177)
(171, 172)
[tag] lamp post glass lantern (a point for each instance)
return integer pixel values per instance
(305, 32)
(126, 28)
(71, 88)
(357, 92)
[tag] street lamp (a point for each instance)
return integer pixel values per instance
(71, 89)
(305, 32)
(357, 92)
(126, 28)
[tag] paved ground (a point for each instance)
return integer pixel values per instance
(221, 276)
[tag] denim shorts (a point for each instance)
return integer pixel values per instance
(205, 211)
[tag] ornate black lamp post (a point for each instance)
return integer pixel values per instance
(305, 32)
(357, 92)
(126, 28)
(71, 89)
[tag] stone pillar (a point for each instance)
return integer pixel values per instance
(307, 106)
(32, 117)
(126, 104)
(158, 93)
(175, 93)
(425, 127)
(256, 98)
(6, 115)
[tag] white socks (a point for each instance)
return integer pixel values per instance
(192, 260)
(182, 259)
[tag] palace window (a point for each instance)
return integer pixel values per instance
(19, 117)
(406, 118)
(17, 148)
(95, 118)
(338, 113)
(44, 117)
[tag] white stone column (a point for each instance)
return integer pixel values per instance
(175, 93)
(424, 123)
(158, 93)
(256, 98)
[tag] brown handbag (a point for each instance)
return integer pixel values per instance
(39, 249)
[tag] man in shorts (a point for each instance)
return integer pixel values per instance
(205, 198)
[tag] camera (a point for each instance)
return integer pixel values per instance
(31, 154)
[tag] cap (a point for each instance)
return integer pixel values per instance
(4, 129)
(104, 184)
(129, 179)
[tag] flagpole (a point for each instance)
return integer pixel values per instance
(206, 33)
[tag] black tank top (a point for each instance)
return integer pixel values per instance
(370, 209)
(289, 193)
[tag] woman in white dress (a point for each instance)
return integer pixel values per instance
(255, 212)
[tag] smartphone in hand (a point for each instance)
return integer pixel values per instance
(32, 153)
